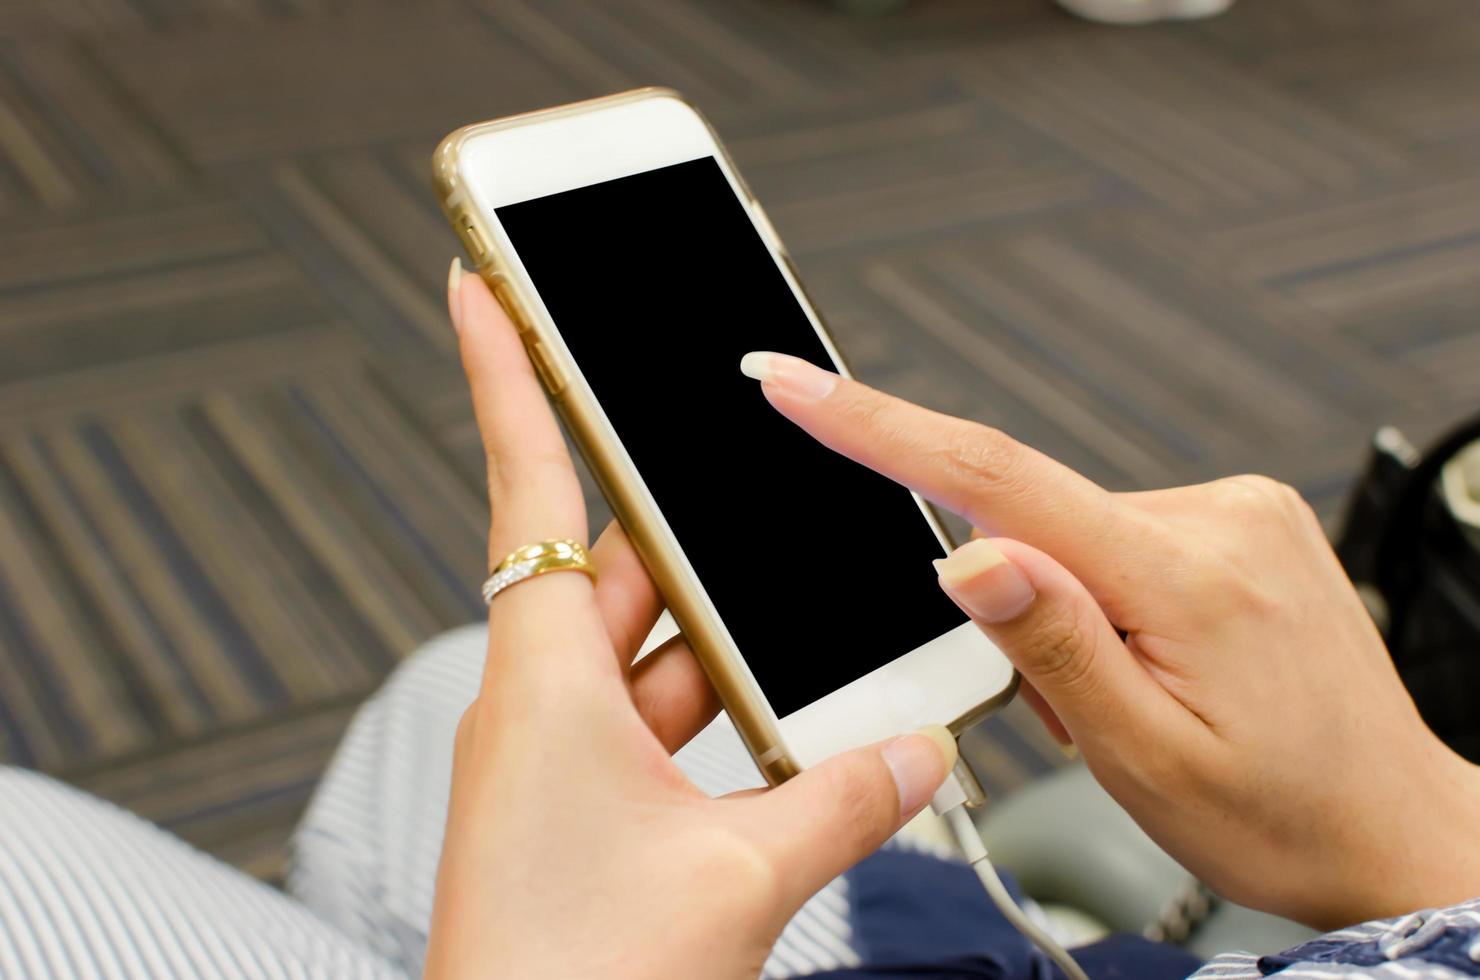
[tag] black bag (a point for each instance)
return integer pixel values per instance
(1418, 569)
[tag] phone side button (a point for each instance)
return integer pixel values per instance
(473, 238)
(494, 279)
(553, 380)
(504, 293)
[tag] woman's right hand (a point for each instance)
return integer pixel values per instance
(1250, 719)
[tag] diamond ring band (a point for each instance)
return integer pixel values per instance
(556, 555)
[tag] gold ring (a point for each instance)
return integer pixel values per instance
(556, 555)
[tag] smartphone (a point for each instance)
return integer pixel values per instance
(639, 269)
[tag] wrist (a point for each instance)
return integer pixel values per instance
(1446, 828)
(1420, 850)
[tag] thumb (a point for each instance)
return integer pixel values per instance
(823, 821)
(1054, 632)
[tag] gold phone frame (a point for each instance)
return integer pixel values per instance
(577, 407)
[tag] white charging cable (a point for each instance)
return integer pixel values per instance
(950, 802)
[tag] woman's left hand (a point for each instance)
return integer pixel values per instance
(574, 845)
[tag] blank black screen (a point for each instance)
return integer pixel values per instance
(659, 284)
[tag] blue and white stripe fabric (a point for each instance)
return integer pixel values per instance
(366, 853)
(1435, 944)
(88, 890)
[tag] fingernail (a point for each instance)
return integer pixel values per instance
(915, 762)
(790, 374)
(454, 293)
(979, 577)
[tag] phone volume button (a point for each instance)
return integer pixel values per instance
(549, 374)
(473, 238)
(504, 293)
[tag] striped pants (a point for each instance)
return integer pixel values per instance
(89, 890)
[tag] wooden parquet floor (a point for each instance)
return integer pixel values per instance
(239, 477)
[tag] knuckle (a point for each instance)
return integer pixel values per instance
(465, 736)
(531, 482)
(528, 470)
(1300, 509)
(980, 454)
(866, 412)
(1247, 496)
(1258, 512)
(1056, 648)
(1253, 494)
(492, 463)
